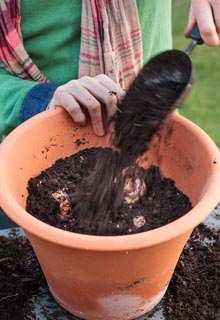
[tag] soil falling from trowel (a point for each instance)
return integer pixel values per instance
(140, 115)
(142, 112)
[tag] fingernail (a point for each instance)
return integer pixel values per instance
(121, 96)
(111, 127)
(99, 131)
(83, 124)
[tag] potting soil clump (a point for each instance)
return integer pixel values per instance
(57, 193)
(193, 292)
(22, 282)
(20, 277)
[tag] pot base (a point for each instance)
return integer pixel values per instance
(115, 307)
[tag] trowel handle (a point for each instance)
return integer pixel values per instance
(195, 35)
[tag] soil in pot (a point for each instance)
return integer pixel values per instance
(193, 292)
(57, 194)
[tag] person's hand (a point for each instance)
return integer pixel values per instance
(89, 93)
(206, 13)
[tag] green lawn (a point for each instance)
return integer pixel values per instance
(203, 104)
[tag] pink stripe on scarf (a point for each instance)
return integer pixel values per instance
(13, 39)
(6, 55)
(89, 56)
(13, 55)
(88, 32)
(29, 66)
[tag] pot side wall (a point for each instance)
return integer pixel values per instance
(108, 285)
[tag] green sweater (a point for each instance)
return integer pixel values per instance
(51, 36)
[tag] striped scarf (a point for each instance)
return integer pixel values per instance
(110, 41)
(13, 56)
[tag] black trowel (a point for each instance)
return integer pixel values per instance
(160, 87)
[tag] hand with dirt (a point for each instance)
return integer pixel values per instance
(89, 93)
(206, 13)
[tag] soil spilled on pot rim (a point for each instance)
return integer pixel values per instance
(193, 292)
(54, 197)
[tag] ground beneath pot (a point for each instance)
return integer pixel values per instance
(193, 292)
(55, 194)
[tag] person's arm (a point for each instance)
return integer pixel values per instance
(20, 100)
(206, 13)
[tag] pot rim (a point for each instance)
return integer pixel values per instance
(184, 224)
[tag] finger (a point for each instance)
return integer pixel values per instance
(216, 13)
(191, 22)
(68, 102)
(111, 86)
(86, 99)
(103, 94)
(204, 18)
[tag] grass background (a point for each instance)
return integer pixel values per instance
(202, 106)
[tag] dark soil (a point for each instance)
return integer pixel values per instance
(70, 180)
(20, 277)
(193, 293)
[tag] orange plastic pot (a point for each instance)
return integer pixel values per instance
(114, 277)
